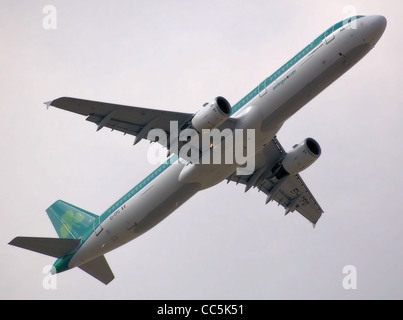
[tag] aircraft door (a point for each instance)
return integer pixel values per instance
(262, 89)
(329, 35)
(97, 226)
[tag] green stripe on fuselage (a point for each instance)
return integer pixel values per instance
(268, 81)
(139, 187)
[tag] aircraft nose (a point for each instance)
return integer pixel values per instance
(377, 25)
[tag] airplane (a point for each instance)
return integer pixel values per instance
(85, 238)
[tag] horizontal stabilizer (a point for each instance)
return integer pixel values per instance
(99, 269)
(53, 247)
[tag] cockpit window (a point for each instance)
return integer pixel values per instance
(354, 18)
(351, 19)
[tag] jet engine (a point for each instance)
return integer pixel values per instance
(212, 114)
(298, 159)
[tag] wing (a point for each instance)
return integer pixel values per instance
(129, 120)
(290, 191)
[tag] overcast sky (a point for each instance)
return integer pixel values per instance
(176, 55)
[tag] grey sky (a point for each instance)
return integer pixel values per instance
(177, 55)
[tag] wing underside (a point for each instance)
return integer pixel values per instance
(290, 191)
(129, 120)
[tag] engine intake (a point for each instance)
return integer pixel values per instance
(298, 159)
(212, 114)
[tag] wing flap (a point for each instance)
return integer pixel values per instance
(119, 125)
(294, 195)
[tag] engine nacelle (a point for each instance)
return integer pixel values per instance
(300, 158)
(212, 114)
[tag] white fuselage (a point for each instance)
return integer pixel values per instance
(265, 109)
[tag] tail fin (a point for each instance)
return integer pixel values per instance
(70, 221)
(73, 225)
(53, 247)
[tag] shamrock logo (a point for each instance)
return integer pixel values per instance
(70, 221)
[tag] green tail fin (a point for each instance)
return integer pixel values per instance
(70, 221)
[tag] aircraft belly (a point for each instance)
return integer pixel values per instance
(153, 205)
(166, 207)
(139, 214)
